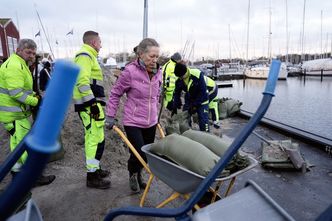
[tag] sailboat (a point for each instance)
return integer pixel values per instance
(317, 67)
(321, 66)
(259, 69)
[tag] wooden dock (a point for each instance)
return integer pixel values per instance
(222, 84)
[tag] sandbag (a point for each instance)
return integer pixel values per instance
(222, 108)
(178, 123)
(219, 146)
(187, 153)
(228, 107)
(212, 142)
(233, 107)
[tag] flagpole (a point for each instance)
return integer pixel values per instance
(18, 23)
(41, 23)
(145, 19)
(57, 48)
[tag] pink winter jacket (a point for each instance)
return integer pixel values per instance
(141, 105)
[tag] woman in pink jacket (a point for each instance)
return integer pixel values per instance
(141, 81)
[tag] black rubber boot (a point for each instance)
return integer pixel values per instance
(41, 181)
(133, 182)
(45, 180)
(141, 183)
(103, 173)
(93, 180)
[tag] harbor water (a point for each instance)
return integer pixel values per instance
(305, 104)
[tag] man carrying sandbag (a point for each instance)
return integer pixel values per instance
(197, 97)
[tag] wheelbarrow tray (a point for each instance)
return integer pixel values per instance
(250, 203)
(181, 179)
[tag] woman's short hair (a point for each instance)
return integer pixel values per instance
(145, 44)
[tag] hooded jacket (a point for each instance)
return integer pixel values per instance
(195, 88)
(16, 95)
(141, 105)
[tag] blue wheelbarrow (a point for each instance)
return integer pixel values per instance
(182, 213)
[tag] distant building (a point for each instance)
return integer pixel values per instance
(9, 37)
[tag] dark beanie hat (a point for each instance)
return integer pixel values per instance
(176, 56)
(180, 69)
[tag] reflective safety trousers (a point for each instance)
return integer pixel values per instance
(17, 130)
(169, 80)
(94, 138)
(203, 118)
(213, 104)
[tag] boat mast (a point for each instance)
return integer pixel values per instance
(145, 20)
(321, 34)
(248, 31)
(302, 39)
(191, 53)
(230, 47)
(331, 48)
(270, 33)
(286, 31)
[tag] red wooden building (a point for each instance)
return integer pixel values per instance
(9, 37)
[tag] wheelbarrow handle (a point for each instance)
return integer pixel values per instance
(132, 148)
(41, 142)
(160, 129)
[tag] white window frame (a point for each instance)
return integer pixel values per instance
(12, 44)
(1, 49)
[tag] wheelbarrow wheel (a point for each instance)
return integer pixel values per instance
(206, 200)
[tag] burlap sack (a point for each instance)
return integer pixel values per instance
(187, 153)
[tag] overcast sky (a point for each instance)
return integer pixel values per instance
(204, 23)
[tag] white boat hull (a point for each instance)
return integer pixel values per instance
(263, 72)
(314, 67)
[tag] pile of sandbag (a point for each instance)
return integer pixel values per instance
(178, 123)
(198, 152)
(228, 107)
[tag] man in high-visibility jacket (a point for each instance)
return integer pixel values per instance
(169, 79)
(89, 101)
(213, 100)
(17, 99)
(192, 82)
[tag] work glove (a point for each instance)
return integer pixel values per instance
(39, 101)
(94, 111)
(36, 108)
(110, 121)
(169, 106)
